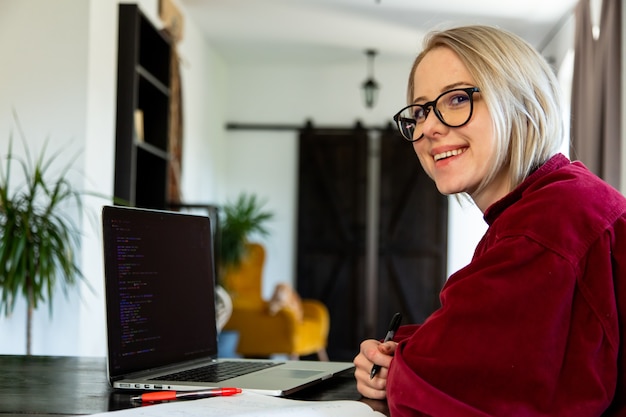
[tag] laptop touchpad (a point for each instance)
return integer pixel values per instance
(293, 373)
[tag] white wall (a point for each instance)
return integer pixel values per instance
(99, 162)
(43, 77)
(59, 73)
(204, 86)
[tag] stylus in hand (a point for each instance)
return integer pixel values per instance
(393, 327)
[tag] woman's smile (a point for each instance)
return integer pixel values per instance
(448, 154)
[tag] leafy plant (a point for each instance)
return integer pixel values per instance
(238, 221)
(38, 236)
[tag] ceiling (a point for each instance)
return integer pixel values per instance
(322, 32)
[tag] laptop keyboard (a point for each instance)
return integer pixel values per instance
(218, 371)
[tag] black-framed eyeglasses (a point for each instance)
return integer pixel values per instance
(453, 108)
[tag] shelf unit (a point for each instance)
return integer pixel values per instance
(143, 102)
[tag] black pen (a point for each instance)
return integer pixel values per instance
(393, 327)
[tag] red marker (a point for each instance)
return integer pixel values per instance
(185, 395)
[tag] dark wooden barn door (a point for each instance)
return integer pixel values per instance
(331, 228)
(411, 220)
(413, 236)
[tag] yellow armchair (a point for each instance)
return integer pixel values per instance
(261, 333)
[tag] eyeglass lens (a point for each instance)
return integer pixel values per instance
(453, 108)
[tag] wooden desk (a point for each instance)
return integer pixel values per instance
(67, 386)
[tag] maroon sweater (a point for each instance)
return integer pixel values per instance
(535, 324)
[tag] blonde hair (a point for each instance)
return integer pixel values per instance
(520, 90)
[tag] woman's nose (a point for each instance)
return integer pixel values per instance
(432, 124)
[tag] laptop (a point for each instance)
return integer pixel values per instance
(160, 310)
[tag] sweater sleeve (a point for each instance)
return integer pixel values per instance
(514, 336)
(404, 332)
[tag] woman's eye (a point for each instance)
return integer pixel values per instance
(458, 99)
(419, 114)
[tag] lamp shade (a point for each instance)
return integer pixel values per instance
(370, 92)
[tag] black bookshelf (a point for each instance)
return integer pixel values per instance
(143, 99)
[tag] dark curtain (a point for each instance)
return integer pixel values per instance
(596, 92)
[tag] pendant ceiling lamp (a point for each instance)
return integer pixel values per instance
(370, 87)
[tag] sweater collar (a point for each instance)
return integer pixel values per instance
(493, 212)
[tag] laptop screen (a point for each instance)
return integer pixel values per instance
(159, 279)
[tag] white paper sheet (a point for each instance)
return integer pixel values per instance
(249, 405)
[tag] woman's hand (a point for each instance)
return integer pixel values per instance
(373, 352)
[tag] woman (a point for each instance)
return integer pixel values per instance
(533, 325)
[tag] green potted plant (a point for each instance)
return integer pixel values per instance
(38, 235)
(238, 221)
